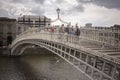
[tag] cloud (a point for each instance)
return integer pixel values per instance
(4, 13)
(69, 6)
(39, 1)
(17, 1)
(25, 1)
(106, 3)
(78, 8)
(100, 16)
(98, 12)
(13, 8)
(60, 1)
(37, 10)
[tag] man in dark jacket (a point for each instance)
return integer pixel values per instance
(67, 31)
(77, 34)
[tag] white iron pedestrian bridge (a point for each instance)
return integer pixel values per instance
(86, 56)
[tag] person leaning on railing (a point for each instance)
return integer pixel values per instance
(77, 34)
(67, 33)
(61, 32)
(51, 32)
(71, 33)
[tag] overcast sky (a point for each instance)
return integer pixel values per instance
(97, 12)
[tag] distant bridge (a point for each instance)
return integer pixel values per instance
(87, 56)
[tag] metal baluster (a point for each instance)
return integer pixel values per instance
(103, 67)
(74, 56)
(85, 64)
(69, 54)
(94, 63)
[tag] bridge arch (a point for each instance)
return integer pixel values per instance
(67, 53)
(91, 65)
(62, 51)
(20, 47)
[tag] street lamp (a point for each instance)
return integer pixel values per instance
(58, 12)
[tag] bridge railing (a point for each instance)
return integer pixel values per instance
(70, 40)
(104, 36)
(73, 42)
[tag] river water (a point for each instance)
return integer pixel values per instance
(38, 67)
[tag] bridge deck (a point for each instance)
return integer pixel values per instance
(97, 53)
(84, 43)
(108, 50)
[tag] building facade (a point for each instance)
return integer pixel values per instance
(106, 35)
(88, 25)
(7, 30)
(34, 21)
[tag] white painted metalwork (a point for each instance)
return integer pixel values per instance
(75, 52)
(58, 18)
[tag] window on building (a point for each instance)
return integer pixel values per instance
(1, 28)
(9, 28)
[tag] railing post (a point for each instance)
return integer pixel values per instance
(113, 71)
(69, 54)
(74, 56)
(86, 62)
(103, 67)
(61, 50)
(94, 63)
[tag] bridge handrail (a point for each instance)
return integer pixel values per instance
(29, 35)
(106, 40)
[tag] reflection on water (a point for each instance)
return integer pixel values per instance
(38, 67)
